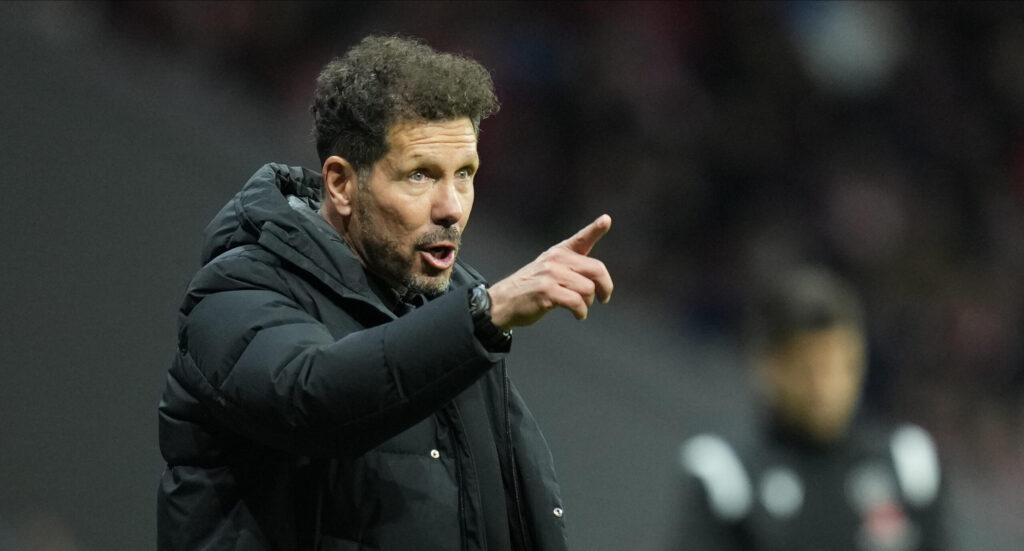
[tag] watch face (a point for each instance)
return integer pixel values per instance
(477, 299)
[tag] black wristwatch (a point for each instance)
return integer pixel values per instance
(490, 335)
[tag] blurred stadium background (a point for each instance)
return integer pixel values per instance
(885, 140)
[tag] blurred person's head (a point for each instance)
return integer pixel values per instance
(806, 332)
(396, 126)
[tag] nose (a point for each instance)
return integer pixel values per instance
(446, 208)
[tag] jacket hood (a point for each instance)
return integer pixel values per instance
(264, 198)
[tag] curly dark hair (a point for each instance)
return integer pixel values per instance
(384, 80)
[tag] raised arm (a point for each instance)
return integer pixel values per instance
(267, 370)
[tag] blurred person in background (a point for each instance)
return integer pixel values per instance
(340, 380)
(817, 476)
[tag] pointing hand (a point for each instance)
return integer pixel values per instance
(562, 276)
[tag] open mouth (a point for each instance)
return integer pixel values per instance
(440, 256)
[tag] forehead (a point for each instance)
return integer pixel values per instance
(834, 342)
(432, 138)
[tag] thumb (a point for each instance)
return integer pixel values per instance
(586, 238)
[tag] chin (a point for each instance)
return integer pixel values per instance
(828, 432)
(432, 286)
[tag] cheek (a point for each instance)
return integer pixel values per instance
(848, 387)
(784, 390)
(404, 217)
(796, 392)
(467, 207)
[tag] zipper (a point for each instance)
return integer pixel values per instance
(516, 496)
(451, 415)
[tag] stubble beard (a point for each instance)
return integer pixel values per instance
(385, 258)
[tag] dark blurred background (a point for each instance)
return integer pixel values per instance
(885, 140)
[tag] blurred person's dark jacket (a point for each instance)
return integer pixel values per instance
(871, 490)
(303, 412)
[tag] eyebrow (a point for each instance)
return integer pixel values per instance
(468, 159)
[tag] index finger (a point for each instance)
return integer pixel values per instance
(585, 239)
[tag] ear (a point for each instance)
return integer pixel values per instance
(340, 184)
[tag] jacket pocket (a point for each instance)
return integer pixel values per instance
(396, 501)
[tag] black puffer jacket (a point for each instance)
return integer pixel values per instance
(300, 413)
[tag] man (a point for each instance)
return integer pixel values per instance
(813, 479)
(340, 380)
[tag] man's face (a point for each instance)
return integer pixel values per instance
(814, 380)
(409, 213)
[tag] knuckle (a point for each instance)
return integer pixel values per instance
(597, 266)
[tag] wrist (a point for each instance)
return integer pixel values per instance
(489, 334)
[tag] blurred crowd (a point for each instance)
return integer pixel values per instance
(728, 140)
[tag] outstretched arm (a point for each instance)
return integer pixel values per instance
(267, 370)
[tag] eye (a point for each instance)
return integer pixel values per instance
(418, 176)
(463, 173)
